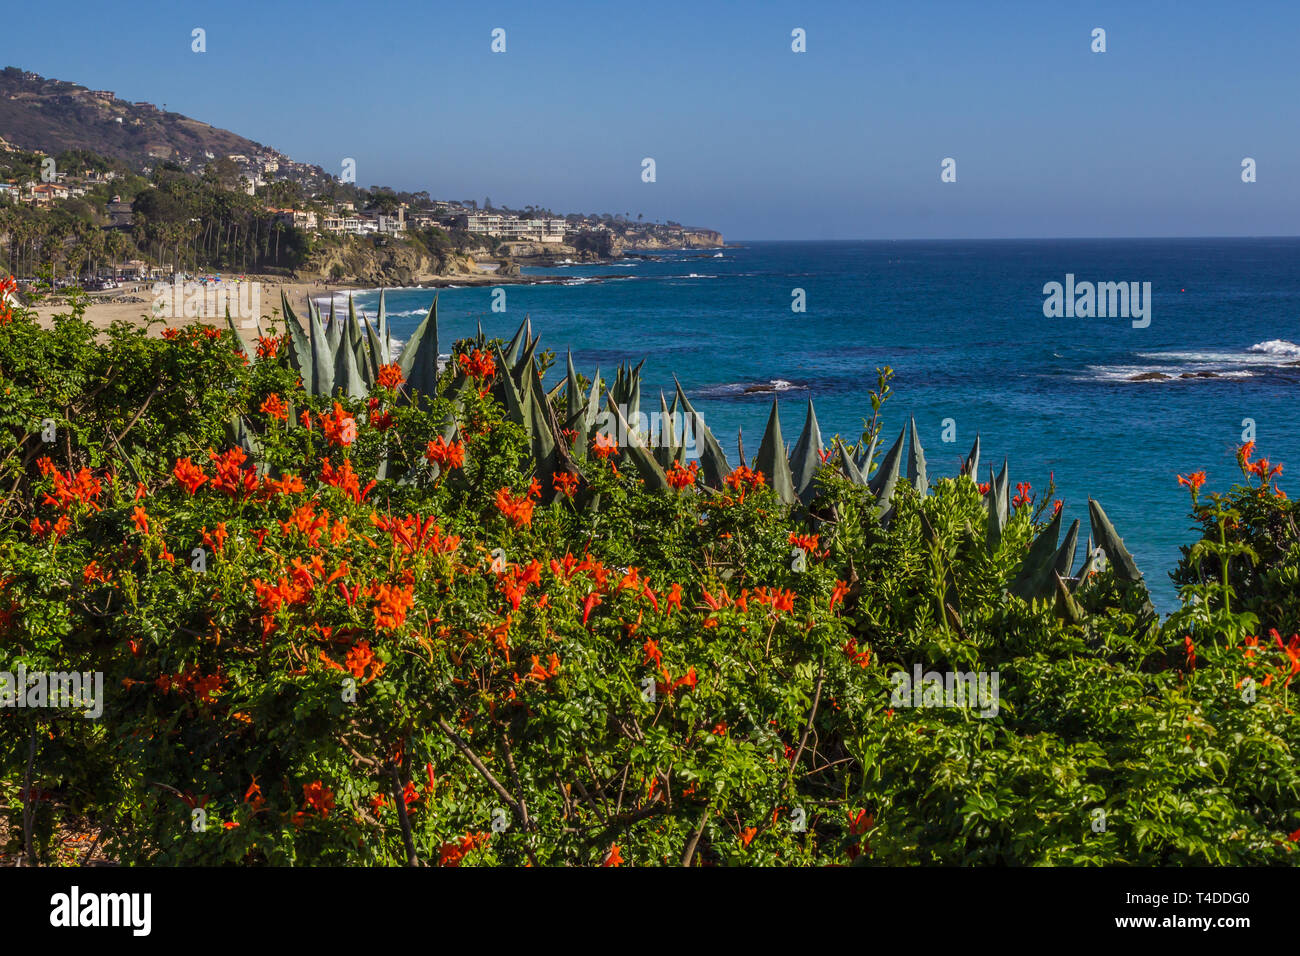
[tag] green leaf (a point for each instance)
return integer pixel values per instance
(916, 476)
(772, 460)
(806, 457)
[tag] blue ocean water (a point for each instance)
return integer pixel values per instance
(962, 325)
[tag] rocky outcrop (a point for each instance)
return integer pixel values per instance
(391, 264)
(688, 239)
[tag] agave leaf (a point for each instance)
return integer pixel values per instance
(713, 461)
(542, 440)
(376, 354)
(972, 465)
(1039, 563)
(916, 476)
(239, 341)
(848, 465)
(526, 364)
(508, 394)
(334, 330)
(322, 358)
(885, 480)
(514, 349)
(867, 456)
(573, 394)
(772, 460)
(353, 327)
(299, 345)
(806, 457)
(355, 343)
(582, 415)
(998, 506)
(1064, 559)
(638, 454)
(1093, 558)
(1126, 569)
(419, 359)
(1066, 606)
(346, 374)
(664, 450)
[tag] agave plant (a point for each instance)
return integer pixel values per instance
(343, 355)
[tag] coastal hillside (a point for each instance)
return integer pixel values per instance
(51, 116)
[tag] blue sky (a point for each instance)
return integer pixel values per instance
(843, 141)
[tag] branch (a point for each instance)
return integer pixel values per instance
(478, 764)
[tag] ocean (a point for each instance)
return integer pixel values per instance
(962, 324)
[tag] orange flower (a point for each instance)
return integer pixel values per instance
(603, 445)
(451, 854)
(274, 406)
(673, 602)
(615, 857)
(518, 510)
(231, 475)
(447, 455)
(391, 605)
(478, 364)
(861, 658)
(360, 659)
(838, 593)
(189, 475)
(340, 427)
(319, 797)
(140, 519)
(565, 483)
(390, 375)
(743, 479)
(808, 542)
(747, 834)
(1023, 497)
(679, 477)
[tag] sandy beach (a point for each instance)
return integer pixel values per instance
(105, 308)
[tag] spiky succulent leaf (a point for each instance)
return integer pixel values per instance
(885, 480)
(299, 344)
(916, 476)
(972, 464)
(848, 465)
(997, 504)
(713, 461)
(806, 457)
(637, 453)
(772, 460)
(322, 358)
(419, 360)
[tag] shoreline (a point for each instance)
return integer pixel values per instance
(105, 308)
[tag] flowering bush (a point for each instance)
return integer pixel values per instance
(307, 661)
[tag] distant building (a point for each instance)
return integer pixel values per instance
(509, 227)
(351, 225)
(302, 218)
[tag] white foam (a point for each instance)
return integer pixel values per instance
(1277, 347)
